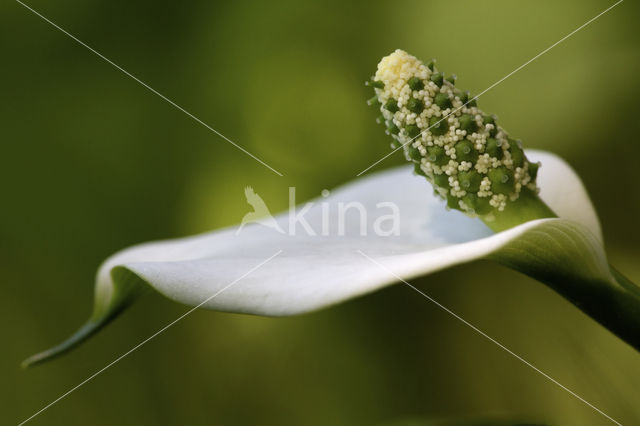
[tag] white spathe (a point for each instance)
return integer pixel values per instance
(311, 272)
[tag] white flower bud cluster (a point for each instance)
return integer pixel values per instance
(471, 162)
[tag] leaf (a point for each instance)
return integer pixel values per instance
(293, 274)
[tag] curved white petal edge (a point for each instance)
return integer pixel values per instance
(314, 271)
(310, 272)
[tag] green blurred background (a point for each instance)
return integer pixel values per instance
(92, 162)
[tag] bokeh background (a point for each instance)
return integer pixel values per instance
(92, 162)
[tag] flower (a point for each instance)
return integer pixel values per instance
(546, 225)
(313, 272)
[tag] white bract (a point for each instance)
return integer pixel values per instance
(311, 272)
(316, 271)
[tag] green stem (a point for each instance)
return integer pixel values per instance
(624, 312)
(614, 302)
(527, 207)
